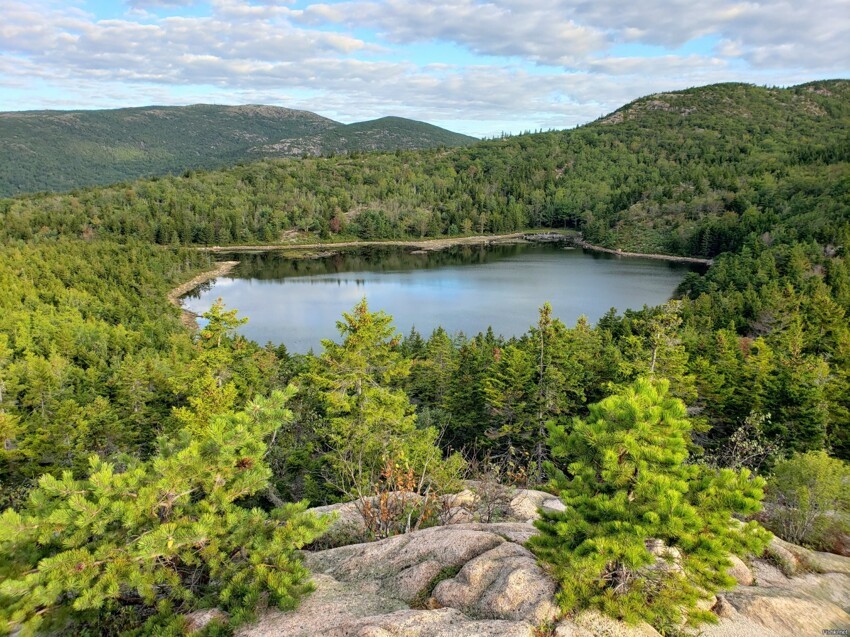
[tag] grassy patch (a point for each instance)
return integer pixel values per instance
(421, 600)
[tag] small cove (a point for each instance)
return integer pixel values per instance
(297, 302)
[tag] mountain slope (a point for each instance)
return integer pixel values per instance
(692, 173)
(61, 150)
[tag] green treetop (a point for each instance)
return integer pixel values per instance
(625, 479)
(370, 420)
(169, 533)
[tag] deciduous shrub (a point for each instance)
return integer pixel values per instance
(808, 499)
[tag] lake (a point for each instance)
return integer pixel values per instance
(463, 289)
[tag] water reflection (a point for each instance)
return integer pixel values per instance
(467, 288)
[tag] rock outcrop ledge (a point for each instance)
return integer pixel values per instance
(478, 580)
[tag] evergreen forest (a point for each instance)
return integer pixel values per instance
(60, 150)
(147, 470)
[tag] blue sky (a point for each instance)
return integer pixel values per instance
(479, 67)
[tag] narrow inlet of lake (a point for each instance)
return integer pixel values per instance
(463, 289)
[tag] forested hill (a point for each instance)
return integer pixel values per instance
(61, 150)
(386, 133)
(147, 468)
(692, 172)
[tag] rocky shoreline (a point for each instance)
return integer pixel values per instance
(188, 318)
(429, 245)
(645, 255)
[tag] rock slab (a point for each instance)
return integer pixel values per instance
(477, 579)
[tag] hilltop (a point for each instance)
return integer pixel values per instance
(147, 469)
(467, 578)
(689, 173)
(62, 150)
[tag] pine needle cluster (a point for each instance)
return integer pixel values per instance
(169, 534)
(646, 534)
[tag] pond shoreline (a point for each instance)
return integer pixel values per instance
(645, 255)
(430, 245)
(187, 317)
(420, 244)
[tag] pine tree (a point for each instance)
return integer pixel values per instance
(370, 421)
(508, 390)
(545, 341)
(170, 533)
(208, 382)
(627, 485)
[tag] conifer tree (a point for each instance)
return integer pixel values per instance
(208, 381)
(508, 390)
(169, 534)
(625, 479)
(370, 421)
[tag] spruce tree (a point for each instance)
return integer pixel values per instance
(625, 479)
(369, 420)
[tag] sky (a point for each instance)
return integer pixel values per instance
(477, 67)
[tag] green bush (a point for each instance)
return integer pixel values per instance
(808, 499)
(645, 534)
(167, 535)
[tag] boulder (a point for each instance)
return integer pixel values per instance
(600, 625)
(347, 526)
(740, 571)
(413, 581)
(444, 622)
(458, 515)
(808, 560)
(466, 498)
(471, 579)
(526, 502)
(567, 628)
(503, 583)
(367, 589)
(553, 504)
(786, 560)
(333, 606)
(832, 588)
(490, 500)
(767, 573)
(383, 565)
(517, 532)
(781, 614)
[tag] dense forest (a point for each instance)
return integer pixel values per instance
(59, 150)
(113, 416)
(691, 173)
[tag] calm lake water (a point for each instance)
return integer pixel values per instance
(297, 302)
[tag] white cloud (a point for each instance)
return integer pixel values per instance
(569, 60)
(152, 4)
(485, 28)
(773, 33)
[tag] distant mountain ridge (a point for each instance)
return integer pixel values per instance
(385, 133)
(734, 100)
(691, 173)
(63, 150)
